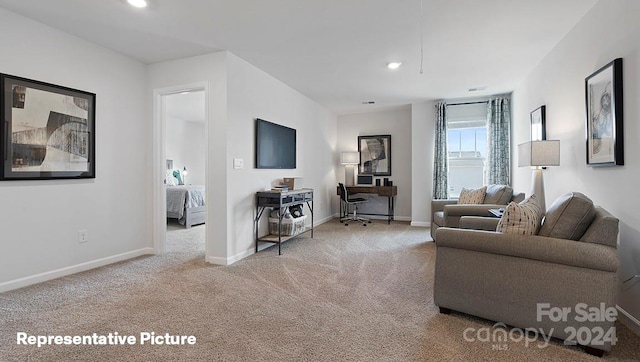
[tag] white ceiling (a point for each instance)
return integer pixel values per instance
(335, 51)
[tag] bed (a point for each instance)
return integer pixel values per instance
(186, 203)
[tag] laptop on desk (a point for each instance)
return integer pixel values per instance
(364, 180)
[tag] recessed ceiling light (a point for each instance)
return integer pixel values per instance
(369, 102)
(394, 65)
(138, 3)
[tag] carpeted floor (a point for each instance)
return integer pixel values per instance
(352, 293)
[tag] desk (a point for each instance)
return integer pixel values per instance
(281, 200)
(390, 192)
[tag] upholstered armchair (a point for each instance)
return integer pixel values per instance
(507, 277)
(448, 212)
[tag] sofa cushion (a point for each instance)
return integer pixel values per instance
(470, 196)
(568, 217)
(603, 229)
(498, 194)
(438, 218)
(523, 218)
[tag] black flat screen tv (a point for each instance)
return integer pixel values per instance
(275, 145)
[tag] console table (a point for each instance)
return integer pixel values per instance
(390, 192)
(281, 200)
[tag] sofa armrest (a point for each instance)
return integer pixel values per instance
(469, 209)
(534, 247)
(518, 197)
(438, 205)
(479, 223)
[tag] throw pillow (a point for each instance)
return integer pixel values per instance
(498, 194)
(523, 218)
(470, 196)
(603, 229)
(169, 180)
(177, 175)
(568, 217)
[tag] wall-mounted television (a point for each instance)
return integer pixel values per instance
(275, 145)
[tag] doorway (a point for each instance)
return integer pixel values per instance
(180, 171)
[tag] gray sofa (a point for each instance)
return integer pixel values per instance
(503, 277)
(448, 212)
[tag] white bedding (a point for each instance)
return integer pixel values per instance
(181, 197)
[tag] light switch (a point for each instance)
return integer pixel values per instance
(238, 163)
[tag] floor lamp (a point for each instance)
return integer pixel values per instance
(349, 160)
(539, 154)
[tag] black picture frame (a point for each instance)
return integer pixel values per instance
(375, 155)
(48, 131)
(538, 124)
(604, 106)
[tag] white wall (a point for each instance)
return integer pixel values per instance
(610, 30)
(423, 118)
(210, 69)
(255, 94)
(187, 147)
(40, 220)
(397, 123)
(239, 93)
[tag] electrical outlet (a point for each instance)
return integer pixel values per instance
(83, 236)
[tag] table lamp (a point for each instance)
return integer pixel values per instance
(349, 159)
(184, 175)
(538, 154)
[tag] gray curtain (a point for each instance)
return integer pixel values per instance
(499, 140)
(440, 159)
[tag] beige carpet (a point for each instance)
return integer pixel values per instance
(352, 293)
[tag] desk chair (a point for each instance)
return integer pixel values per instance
(354, 201)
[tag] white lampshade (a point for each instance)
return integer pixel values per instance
(350, 158)
(539, 153)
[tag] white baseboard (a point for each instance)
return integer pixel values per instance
(216, 260)
(421, 224)
(326, 219)
(628, 320)
(54, 274)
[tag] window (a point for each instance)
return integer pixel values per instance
(467, 144)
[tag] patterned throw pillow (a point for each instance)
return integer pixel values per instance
(169, 180)
(470, 196)
(177, 175)
(523, 218)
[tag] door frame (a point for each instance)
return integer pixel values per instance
(159, 197)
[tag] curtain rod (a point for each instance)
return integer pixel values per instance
(463, 104)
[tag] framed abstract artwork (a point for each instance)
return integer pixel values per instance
(48, 131)
(604, 132)
(538, 124)
(375, 155)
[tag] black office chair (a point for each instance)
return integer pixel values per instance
(351, 202)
